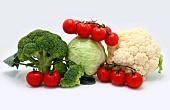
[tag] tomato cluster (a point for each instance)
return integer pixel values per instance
(95, 31)
(132, 79)
(35, 78)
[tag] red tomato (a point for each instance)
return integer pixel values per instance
(103, 74)
(69, 26)
(83, 30)
(108, 29)
(92, 24)
(118, 79)
(77, 21)
(98, 34)
(52, 80)
(112, 39)
(34, 78)
(135, 80)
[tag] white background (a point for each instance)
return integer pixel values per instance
(19, 17)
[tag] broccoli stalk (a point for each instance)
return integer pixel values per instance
(41, 48)
(44, 63)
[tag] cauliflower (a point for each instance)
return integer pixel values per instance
(136, 49)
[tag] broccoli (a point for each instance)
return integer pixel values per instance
(41, 48)
(60, 67)
(71, 77)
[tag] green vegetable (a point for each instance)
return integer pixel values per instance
(41, 48)
(87, 53)
(160, 64)
(86, 80)
(72, 76)
(60, 67)
(12, 61)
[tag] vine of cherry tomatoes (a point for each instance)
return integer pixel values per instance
(95, 31)
(119, 77)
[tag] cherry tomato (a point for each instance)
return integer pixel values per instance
(103, 74)
(34, 78)
(112, 39)
(52, 80)
(69, 26)
(77, 21)
(135, 80)
(108, 29)
(98, 34)
(118, 79)
(92, 24)
(83, 30)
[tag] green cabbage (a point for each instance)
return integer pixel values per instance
(87, 53)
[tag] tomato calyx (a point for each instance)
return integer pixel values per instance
(34, 70)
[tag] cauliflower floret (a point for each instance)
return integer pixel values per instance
(136, 49)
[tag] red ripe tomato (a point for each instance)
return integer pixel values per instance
(52, 80)
(34, 78)
(77, 21)
(112, 39)
(135, 80)
(83, 30)
(118, 79)
(69, 26)
(108, 29)
(98, 34)
(103, 74)
(92, 24)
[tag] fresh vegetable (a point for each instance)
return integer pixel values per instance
(112, 39)
(77, 21)
(118, 78)
(103, 74)
(131, 55)
(135, 80)
(72, 76)
(34, 78)
(108, 29)
(83, 30)
(52, 79)
(69, 26)
(39, 49)
(117, 75)
(136, 49)
(86, 80)
(92, 24)
(87, 53)
(60, 67)
(98, 34)
(91, 29)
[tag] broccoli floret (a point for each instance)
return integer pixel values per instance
(71, 77)
(60, 67)
(41, 48)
